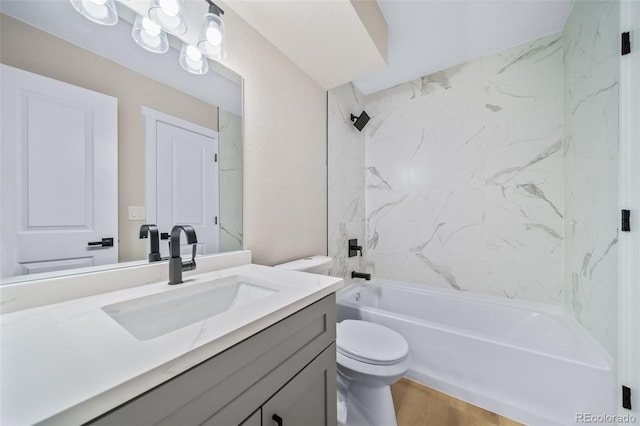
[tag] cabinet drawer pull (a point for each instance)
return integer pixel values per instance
(276, 418)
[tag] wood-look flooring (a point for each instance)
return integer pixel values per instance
(419, 405)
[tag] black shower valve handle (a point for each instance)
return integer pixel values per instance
(354, 248)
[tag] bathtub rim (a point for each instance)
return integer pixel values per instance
(602, 359)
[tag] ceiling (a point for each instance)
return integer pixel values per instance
(335, 42)
(425, 36)
(338, 41)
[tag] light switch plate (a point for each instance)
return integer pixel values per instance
(136, 213)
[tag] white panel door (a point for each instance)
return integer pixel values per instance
(187, 188)
(59, 175)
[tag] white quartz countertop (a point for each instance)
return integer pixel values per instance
(69, 362)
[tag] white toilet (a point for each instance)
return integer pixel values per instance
(370, 358)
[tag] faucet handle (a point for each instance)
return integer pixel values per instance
(190, 265)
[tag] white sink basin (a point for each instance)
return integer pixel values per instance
(152, 316)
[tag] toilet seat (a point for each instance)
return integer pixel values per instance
(370, 343)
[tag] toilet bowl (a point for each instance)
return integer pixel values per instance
(370, 358)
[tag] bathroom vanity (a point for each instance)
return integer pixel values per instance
(264, 354)
(288, 370)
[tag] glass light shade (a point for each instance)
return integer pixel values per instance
(213, 39)
(192, 60)
(149, 35)
(99, 11)
(169, 14)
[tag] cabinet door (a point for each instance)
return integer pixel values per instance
(309, 398)
(254, 420)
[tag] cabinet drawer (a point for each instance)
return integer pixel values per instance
(202, 391)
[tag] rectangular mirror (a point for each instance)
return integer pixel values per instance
(100, 136)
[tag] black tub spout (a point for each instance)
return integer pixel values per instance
(355, 274)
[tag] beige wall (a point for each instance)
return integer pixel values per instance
(30, 49)
(285, 173)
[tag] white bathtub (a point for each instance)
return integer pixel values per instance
(527, 361)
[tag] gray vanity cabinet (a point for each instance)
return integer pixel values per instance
(254, 420)
(309, 398)
(288, 369)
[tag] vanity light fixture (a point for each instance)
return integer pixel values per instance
(213, 39)
(192, 60)
(101, 12)
(149, 35)
(169, 14)
(166, 17)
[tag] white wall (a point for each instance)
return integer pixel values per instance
(285, 175)
(591, 44)
(464, 176)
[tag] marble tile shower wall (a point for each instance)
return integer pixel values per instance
(230, 150)
(464, 176)
(345, 156)
(591, 69)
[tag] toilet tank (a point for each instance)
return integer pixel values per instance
(314, 265)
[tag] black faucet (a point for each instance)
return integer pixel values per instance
(150, 229)
(176, 265)
(354, 248)
(355, 274)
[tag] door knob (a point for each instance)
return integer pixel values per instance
(106, 242)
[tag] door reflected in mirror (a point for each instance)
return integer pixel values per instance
(100, 137)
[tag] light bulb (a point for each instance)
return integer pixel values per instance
(97, 9)
(192, 60)
(215, 49)
(170, 7)
(152, 41)
(212, 41)
(149, 35)
(151, 27)
(214, 36)
(193, 53)
(169, 14)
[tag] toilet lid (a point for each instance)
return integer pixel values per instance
(370, 343)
